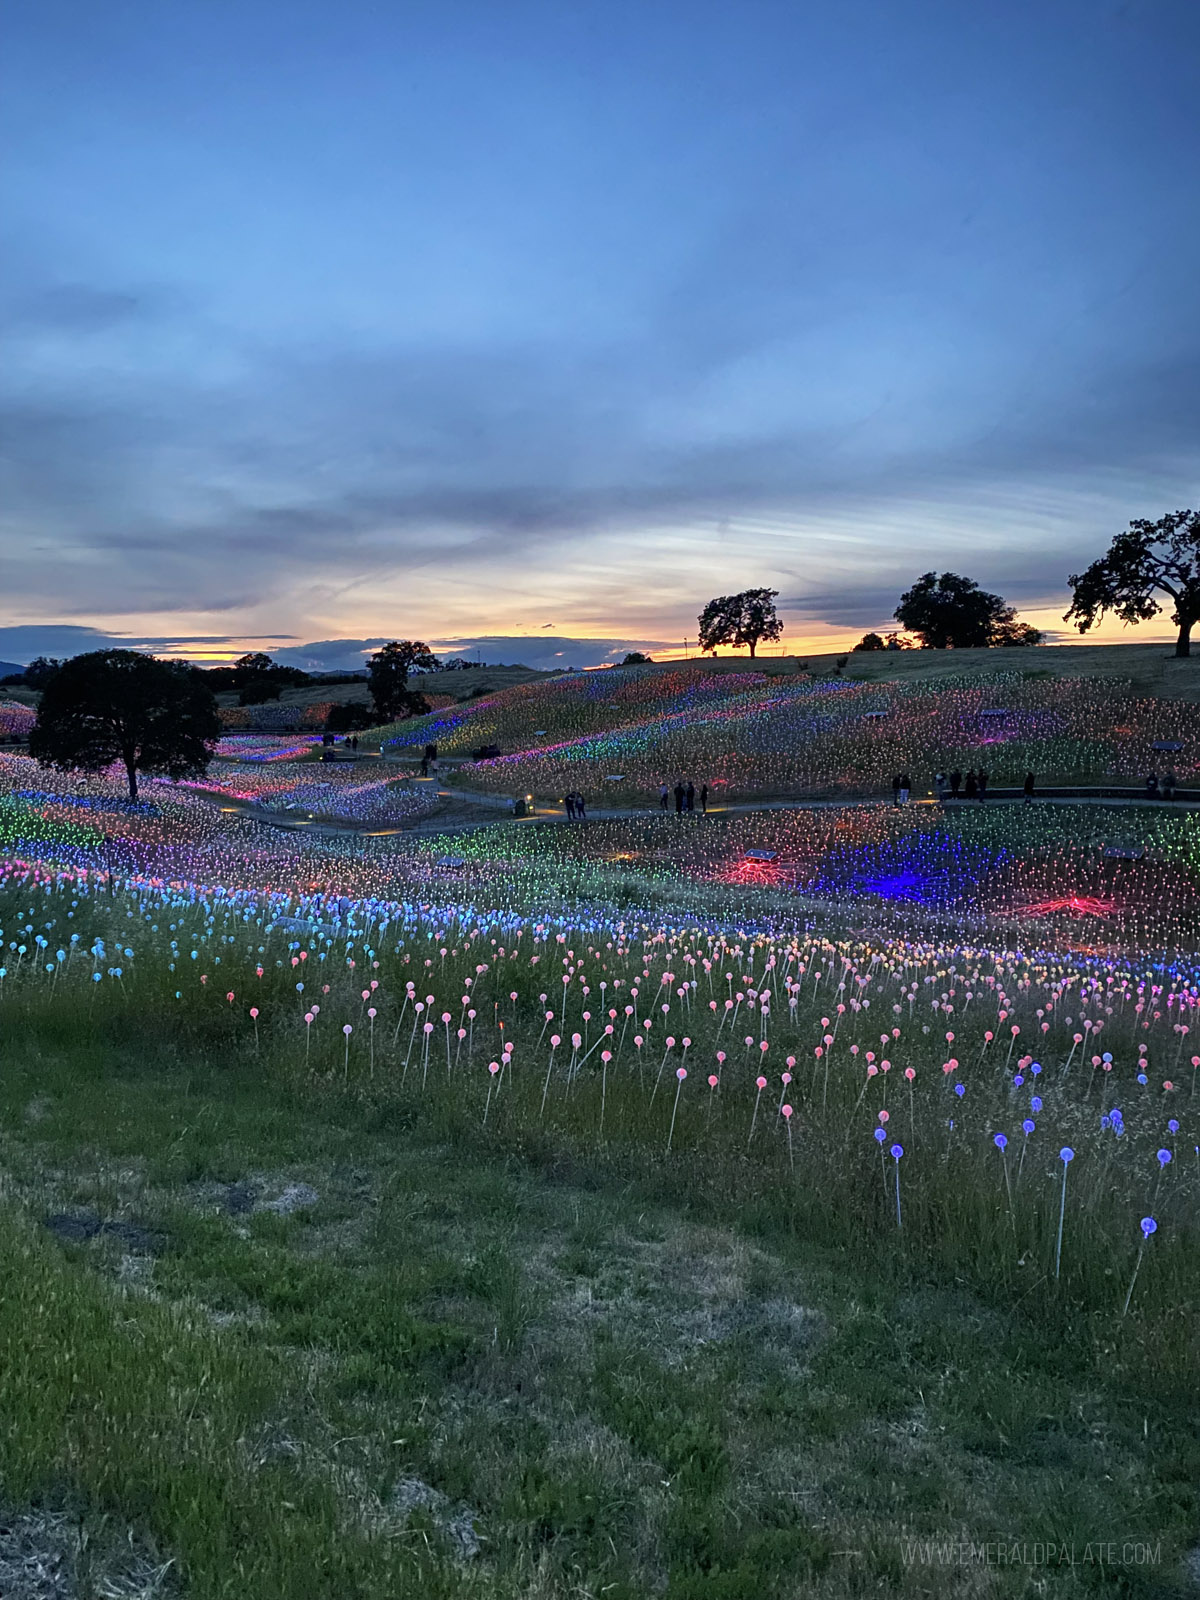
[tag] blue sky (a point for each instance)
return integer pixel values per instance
(333, 322)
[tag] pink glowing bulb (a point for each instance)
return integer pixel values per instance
(254, 1012)
(761, 1083)
(713, 1080)
(786, 1111)
(681, 1073)
(347, 1030)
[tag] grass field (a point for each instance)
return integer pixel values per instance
(752, 735)
(293, 1311)
(794, 1203)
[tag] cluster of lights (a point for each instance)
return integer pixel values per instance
(747, 733)
(1010, 1066)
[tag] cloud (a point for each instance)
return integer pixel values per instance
(231, 473)
(25, 642)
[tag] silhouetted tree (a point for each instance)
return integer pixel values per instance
(635, 658)
(871, 641)
(740, 619)
(388, 678)
(1149, 558)
(351, 716)
(953, 613)
(256, 678)
(112, 706)
(39, 671)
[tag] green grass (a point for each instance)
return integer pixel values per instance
(623, 1382)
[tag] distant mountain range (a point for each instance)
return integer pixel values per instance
(7, 668)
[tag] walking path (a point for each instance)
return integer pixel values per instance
(462, 811)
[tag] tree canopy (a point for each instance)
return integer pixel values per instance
(1149, 558)
(636, 658)
(947, 612)
(349, 716)
(388, 678)
(40, 670)
(255, 677)
(871, 641)
(156, 717)
(740, 619)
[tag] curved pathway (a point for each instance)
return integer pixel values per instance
(462, 811)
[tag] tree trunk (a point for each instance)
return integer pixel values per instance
(1183, 645)
(131, 772)
(751, 643)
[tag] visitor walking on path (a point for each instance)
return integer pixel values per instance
(580, 807)
(678, 799)
(955, 783)
(896, 781)
(971, 791)
(689, 796)
(905, 788)
(1152, 786)
(1168, 784)
(663, 796)
(704, 798)
(940, 787)
(569, 802)
(1028, 787)
(982, 785)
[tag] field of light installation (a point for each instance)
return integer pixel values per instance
(701, 1206)
(620, 733)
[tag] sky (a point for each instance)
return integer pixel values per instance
(527, 328)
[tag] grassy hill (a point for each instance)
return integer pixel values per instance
(787, 731)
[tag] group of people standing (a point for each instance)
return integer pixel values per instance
(953, 786)
(576, 806)
(1160, 789)
(686, 795)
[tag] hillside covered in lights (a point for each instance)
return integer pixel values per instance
(620, 733)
